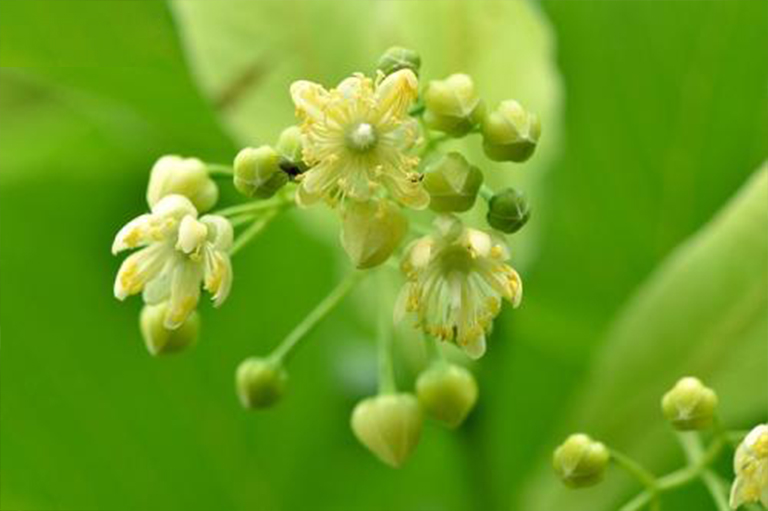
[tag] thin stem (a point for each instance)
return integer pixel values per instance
(255, 228)
(257, 205)
(219, 170)
(387, 382)
(645, 477)
(695, 454)
(299, 332)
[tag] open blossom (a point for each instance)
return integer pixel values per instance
(356, 139)
(180, 252)
(457, 279)
(751, 466)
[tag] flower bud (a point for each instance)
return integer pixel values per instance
(580, 461)
(689, 405)
(447, 392)
(453, 105)
(389, 425)
(173, 175)
(510, 133)
(258, 172)
(452, 183)
(290, 147)
(397, 58)
(161, 340)
(260, 382)
(508, 211)
(371, 231)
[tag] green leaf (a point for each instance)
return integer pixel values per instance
(703, 312)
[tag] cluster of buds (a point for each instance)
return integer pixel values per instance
(370, 150)
(690, 407)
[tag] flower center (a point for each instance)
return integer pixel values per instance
(456, 259)
(361, 137)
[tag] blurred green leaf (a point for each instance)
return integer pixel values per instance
(703, 312)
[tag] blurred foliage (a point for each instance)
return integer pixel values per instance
(664, 120)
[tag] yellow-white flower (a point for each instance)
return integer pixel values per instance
(356, 139)
(456, 281)
(751, 467)
(179, 253)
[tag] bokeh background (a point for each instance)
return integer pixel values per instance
(642, 263)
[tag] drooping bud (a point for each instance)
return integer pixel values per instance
(174, 175)
(389, 425)
(161, 340)
(580, 461)
(453, 105)
(508, 211)
(452, 183)
(260, 382)
(258, 172)
(397, 58)
(510, 133)
(689, 405)
(289, 146)
(371, 231)
(447, 392)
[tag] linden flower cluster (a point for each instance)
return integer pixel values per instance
(371, 149)
(690, 407)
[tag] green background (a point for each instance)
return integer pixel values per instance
(655, 116)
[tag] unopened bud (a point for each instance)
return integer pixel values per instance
(580, 461)
(689, 405)
(258, 172)
(447, 392)
(161, 340)
(174, 175)
(290, 147)
(510, 133)
(508, 211)
(371, 231)
(260, 382)
(453, 105)
(452, 183)
(397, 58)
(389, 425)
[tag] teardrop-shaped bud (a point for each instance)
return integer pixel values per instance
(580, 461)
(508, 211)
(453, 106)
(161, 340)
(260, 382)
(174, 175)
(452, 183)
(397, 58)
(510, 133)
(447, 392)
(689, 405)
(290, 147)
(389, 425)
(371, 231)
(258, 172)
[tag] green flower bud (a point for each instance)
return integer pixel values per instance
(452, 105)
(389, 426)
(173, 175)
(289, 146)
(508, 211)
(510, 133)
(689, 405)
(260, 382)
(397, 58)
(161, 340)
(258, 172)
(452, 183)
(580, 461)
(447, 392)
(371, 231)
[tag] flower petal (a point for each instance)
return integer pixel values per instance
(185, 293)
(395, 94)
(139, 268)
